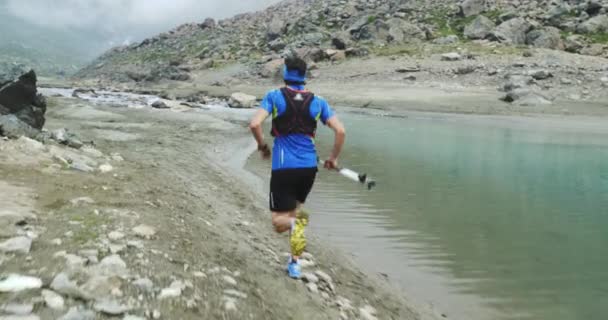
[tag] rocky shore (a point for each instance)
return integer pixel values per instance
(136, 223)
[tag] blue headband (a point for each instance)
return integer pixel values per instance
(293, 75)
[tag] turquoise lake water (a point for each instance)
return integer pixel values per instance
(493, 219)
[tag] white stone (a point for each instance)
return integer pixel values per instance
(82, 200)
(116, 235)
(323, 276)
(367, 313)
(235, 293)
(130, 317)
(170, 292)
(20, 245)
(229, 304)
(17, 309)
(229, 280)
(53, 300)
(112, 266)
(452, 56)
(144, 231)
(144, 284)
(78, 314)
(18, 283)
(241, 100)
(20, 317)
(310, 277)
(106, 168)
(57, 242)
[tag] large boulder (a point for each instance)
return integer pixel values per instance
(512, 31)
(401, 31)
(20, 98)
(574, 43)
(479, 28)
(548, 37)
(594, 25)
(273, 69)
(472, 7)
(241, 100)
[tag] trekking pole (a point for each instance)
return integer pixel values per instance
(354, 176)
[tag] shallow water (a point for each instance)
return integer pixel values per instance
(491, 219)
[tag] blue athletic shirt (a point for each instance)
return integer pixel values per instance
(294, 150)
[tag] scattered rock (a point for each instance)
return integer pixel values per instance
(594, 25)
(574, 43)
(173, 291)
(78, 92)
(110, 307)
(472, 7)
(62, 284)
(540, 74)
(18, 283)
(144, 284)
(20, 317)
(312, 287)
(368, 313)
(451, 39)
(451, 56)
(21, 245)
(512, 31)
(479, 28)
(323, 276)
(131, 317)
(229, 304)
(549, 38)
(242, 100)
(53, 300)
(465, 70)
(106, 168)
(309, 277)
(112, 266)
(144, 231)
(235, 294)
(116, 235)
(407, 69)
(159, 104)
(229, 280)
(81, 201)
(17, 309)
(76, 313)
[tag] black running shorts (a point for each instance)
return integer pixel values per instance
(290, 186)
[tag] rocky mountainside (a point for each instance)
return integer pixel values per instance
(356, 28)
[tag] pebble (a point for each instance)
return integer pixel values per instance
(106, 168)
(117, 248)
(78, 314)
(53, 300)
(312, 287)
(20, 317)
(144, 284)
(144, 231)
(199, 274)
(110, 307)
(117, 157)
(57, 242)
(309, 277)
(368, 313)
(452, 56)
(81, 201)
(79, 166)
(116, 235)
(235, 293)
(18, 283)
(20, 245)
(130, 317)
(323, 276)
(229, 280)
(17, 309)
(112, 266)
(229, 304)
(171, 292)
(62, 284)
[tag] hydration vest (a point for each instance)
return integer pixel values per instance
(296, 119)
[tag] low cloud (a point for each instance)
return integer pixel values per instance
(126, 19)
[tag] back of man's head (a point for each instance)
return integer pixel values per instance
(295, 70)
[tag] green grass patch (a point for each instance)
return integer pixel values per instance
(448, 24)
(600, 37)
(371, 19)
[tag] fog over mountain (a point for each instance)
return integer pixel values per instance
(57, 34)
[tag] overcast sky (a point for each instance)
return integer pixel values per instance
(126, 19)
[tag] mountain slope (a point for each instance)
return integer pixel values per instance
(358, 25)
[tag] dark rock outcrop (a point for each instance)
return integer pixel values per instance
(21, 99)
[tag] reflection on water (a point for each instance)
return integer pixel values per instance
(485, 221)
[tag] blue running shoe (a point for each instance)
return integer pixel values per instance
(294, 269)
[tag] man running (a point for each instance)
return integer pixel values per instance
(295, 113)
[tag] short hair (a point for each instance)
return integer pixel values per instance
(296, 63)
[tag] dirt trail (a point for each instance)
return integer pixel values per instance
(211, 240)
